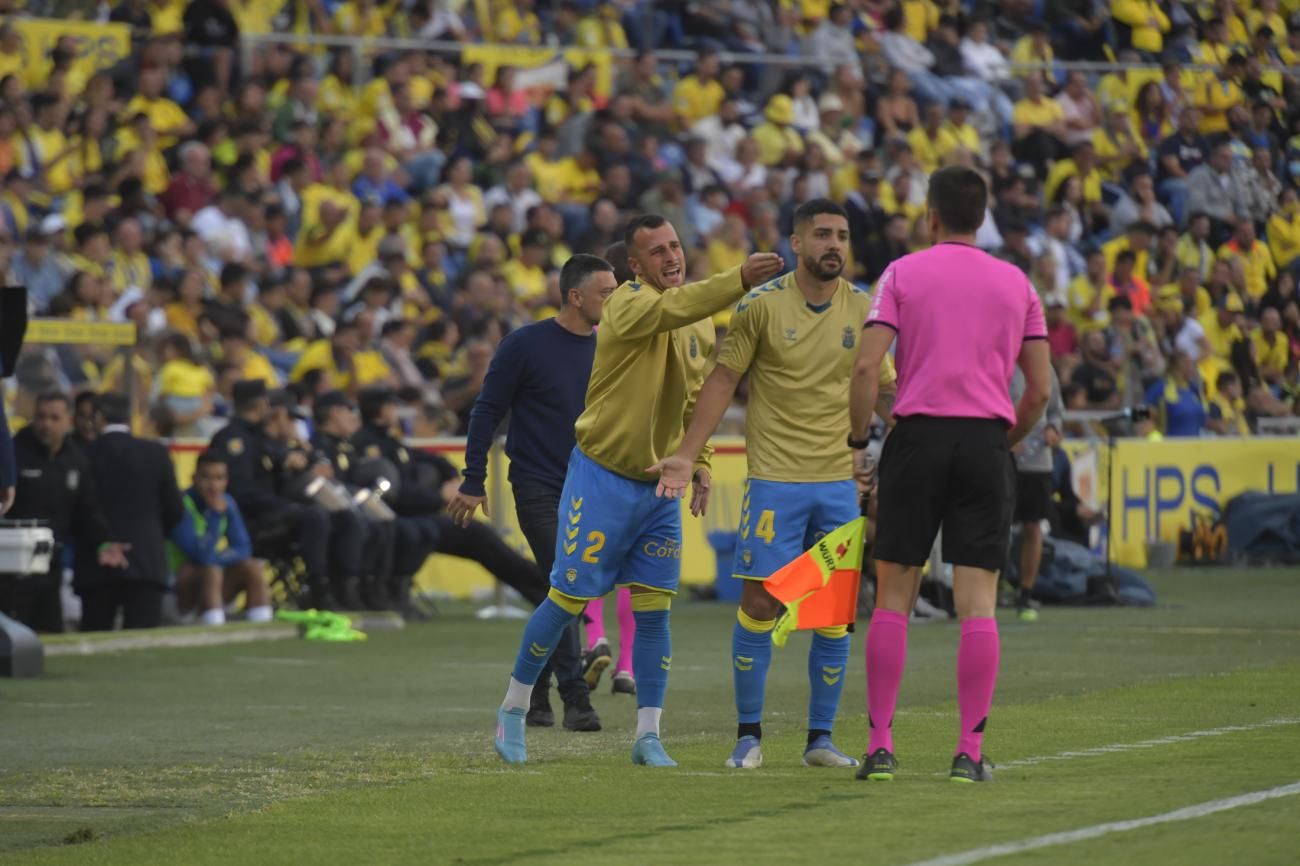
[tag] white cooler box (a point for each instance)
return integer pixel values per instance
(25, 547)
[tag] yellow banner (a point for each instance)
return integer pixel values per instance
(98, 46)
(69, 332)
(1159, 486)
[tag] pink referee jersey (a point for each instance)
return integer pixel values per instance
(961, 316)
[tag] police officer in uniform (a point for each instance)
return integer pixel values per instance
(55, 484)
(426, 483)
(256, 463)
(335, 422)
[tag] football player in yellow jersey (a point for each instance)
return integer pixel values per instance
(796, 337)
(652, 351)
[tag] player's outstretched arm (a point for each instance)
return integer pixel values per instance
(644, 313)
(675, 471)
(1036, 363)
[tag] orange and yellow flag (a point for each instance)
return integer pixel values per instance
(820, 588)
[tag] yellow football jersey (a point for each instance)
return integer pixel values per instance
(799, 359)
(653, 350)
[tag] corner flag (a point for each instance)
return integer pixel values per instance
(820, 587)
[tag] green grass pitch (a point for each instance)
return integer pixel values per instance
(380, 753)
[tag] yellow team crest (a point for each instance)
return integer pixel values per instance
(571, 575)
(235, 446)
(747, 557)
(373, 451)
(849, 338)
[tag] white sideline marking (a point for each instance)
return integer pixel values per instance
(1200, 810)
(1148, 744)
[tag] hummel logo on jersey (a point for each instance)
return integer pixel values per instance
(790, 334)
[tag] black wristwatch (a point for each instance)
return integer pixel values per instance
(859, 444)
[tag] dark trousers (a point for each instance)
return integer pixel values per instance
(305, 526)
(416, 537)
(381, 549)
(139, 601)
(34, 599)
(538, 510)
(349, 534)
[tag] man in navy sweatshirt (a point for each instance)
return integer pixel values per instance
(539, 376)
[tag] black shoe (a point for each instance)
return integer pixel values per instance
(879, 766)
(594, 662)
(375, 596)
(349, 592)
(580, 716)
(964, 769)
(624, 684)
(540, 714)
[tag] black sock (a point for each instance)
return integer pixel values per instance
(814, 733)
(1024, 595)
(749, 729)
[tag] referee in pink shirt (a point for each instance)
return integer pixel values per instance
(962, 321)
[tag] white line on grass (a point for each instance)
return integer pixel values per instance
(1083, 834)
(1148, 744)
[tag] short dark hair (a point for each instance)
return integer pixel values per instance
(233, 273)
(209, 457)
(1226, 378)
(1126, 256)
(816, 207)
(1119, 302)
(115, 408)
(576, 271)
(647, 221)
(960, 197)
(54, 397)
(616, 255)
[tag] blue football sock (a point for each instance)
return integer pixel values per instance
(827, 659)
(542, 633)
(751, 656)
(652, 656)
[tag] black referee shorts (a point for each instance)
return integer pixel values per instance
(1033, 497)
(957, 473)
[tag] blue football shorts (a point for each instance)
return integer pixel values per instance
(779, 520)
(614, 532)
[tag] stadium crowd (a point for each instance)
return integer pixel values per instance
(336, 220)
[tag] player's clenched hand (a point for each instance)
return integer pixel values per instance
(674, 474)
(864, 470)
(760, 267)
(701, 484)
(462, 508)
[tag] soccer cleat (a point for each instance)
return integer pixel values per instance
(821, 752)
(510, 736)
(581, 716)
(965, 769)
(647, 751)
(594, 662)
(540, 714)
(1026, 614)
(748, 755)
(879, 766)
(624, 684)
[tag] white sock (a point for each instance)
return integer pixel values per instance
(647, 721)
(261, 613)
(216, 616)
(517, 695)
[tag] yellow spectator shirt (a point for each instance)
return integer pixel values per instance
(652, 354)
(1113, 248)
(1276, 354)
(167, 16)
(773, 141)
(163, 114)
(131, 269)
(1221, 338)
(526, 282)
(1284, 238)
(1066, 169)
(1079, 298)
(1257, 264)
(1202, 305)
(799, 361)
(695, 100)
(1148, 21)
(367, 367)
(1044, 112)
(919, 18)
(257, 368)
(181, 378)
(1214, 98)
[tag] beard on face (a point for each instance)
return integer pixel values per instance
(828, 267)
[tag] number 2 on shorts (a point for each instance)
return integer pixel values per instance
(766, 529)
(597, 544)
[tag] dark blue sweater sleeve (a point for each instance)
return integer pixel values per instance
(8, 463)
(491, 406)
(240, 546)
